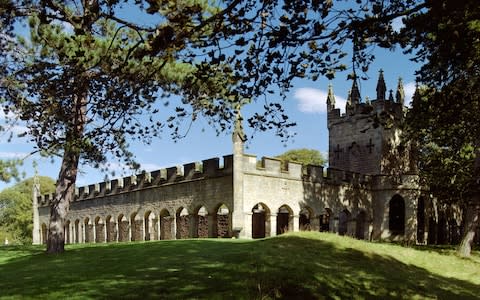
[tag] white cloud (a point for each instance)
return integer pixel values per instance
(312, 100)
(150, 167)
(13, 155)
(409, 90)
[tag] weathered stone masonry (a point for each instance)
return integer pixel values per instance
(369, 191)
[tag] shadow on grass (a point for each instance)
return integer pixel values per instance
(289, 267)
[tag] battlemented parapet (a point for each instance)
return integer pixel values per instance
(208, 168)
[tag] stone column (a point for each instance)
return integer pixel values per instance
(296, 225)
(212, 225)
(174, 227)
(36, 218)
(273, 224)
(248, 225)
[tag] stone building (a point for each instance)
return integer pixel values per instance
(369, 191)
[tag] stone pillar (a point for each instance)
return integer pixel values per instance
(116, 230)
(238, 218)
(174, 227)
(248, 225)
(296, 225)
(105, 231)
(36, 218)
(273, 224)
(212, 225)
(94, 232)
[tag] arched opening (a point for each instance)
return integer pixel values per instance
(260, 221)
(183, 219)
(360, 225)
(223, 222)
(44, 233)
(396, 215)
(67, 232)
(166, 222)
(421, 220)
(136, 227)
(77, 231)
(284, 219)
(151, 226)
(343, 218)
(202, 222)
(99, 230)
(324, 220)
(88, 227)
(111, 230)
(123, 228)
(304, 219)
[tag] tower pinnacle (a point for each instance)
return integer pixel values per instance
(381, 87)
(400, 96)
(355, 93)
(330, 99)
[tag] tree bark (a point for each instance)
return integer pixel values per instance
(472, 220)
(64, 193)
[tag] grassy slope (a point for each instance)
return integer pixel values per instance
(302, 265)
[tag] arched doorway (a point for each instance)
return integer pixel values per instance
(88, 230)
(111, 230)
(136, 227)
(202, 223)
(123, 228)
(165, 225)
(396, 215)
(360, 225)
(151, 226)
(304, 219)
(260, 221)
(99, 230)
(183, 219)
(324, 220)
(343, 219)
(223, 222)
(284, 219)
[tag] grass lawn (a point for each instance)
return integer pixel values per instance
(306, 265)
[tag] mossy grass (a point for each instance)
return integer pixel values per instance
(307, 265)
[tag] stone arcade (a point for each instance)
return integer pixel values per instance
(369, 191)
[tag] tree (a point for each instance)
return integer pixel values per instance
(85, 80)
(9, 170)
(444, 118)
(303, 156)
(16, 208)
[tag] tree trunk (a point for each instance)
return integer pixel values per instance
(472, 221)
(64, 193)
(65, 186)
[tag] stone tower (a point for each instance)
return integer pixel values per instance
(366, 138)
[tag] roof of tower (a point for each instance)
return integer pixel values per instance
(331, 96)
(381, 87)
(355, 93)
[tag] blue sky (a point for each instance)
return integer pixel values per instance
(305, 105)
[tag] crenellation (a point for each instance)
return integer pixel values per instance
(272, 165)
(314, 173)
(228, 163)
(173, 174)
(211, 166)
(294, 169)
